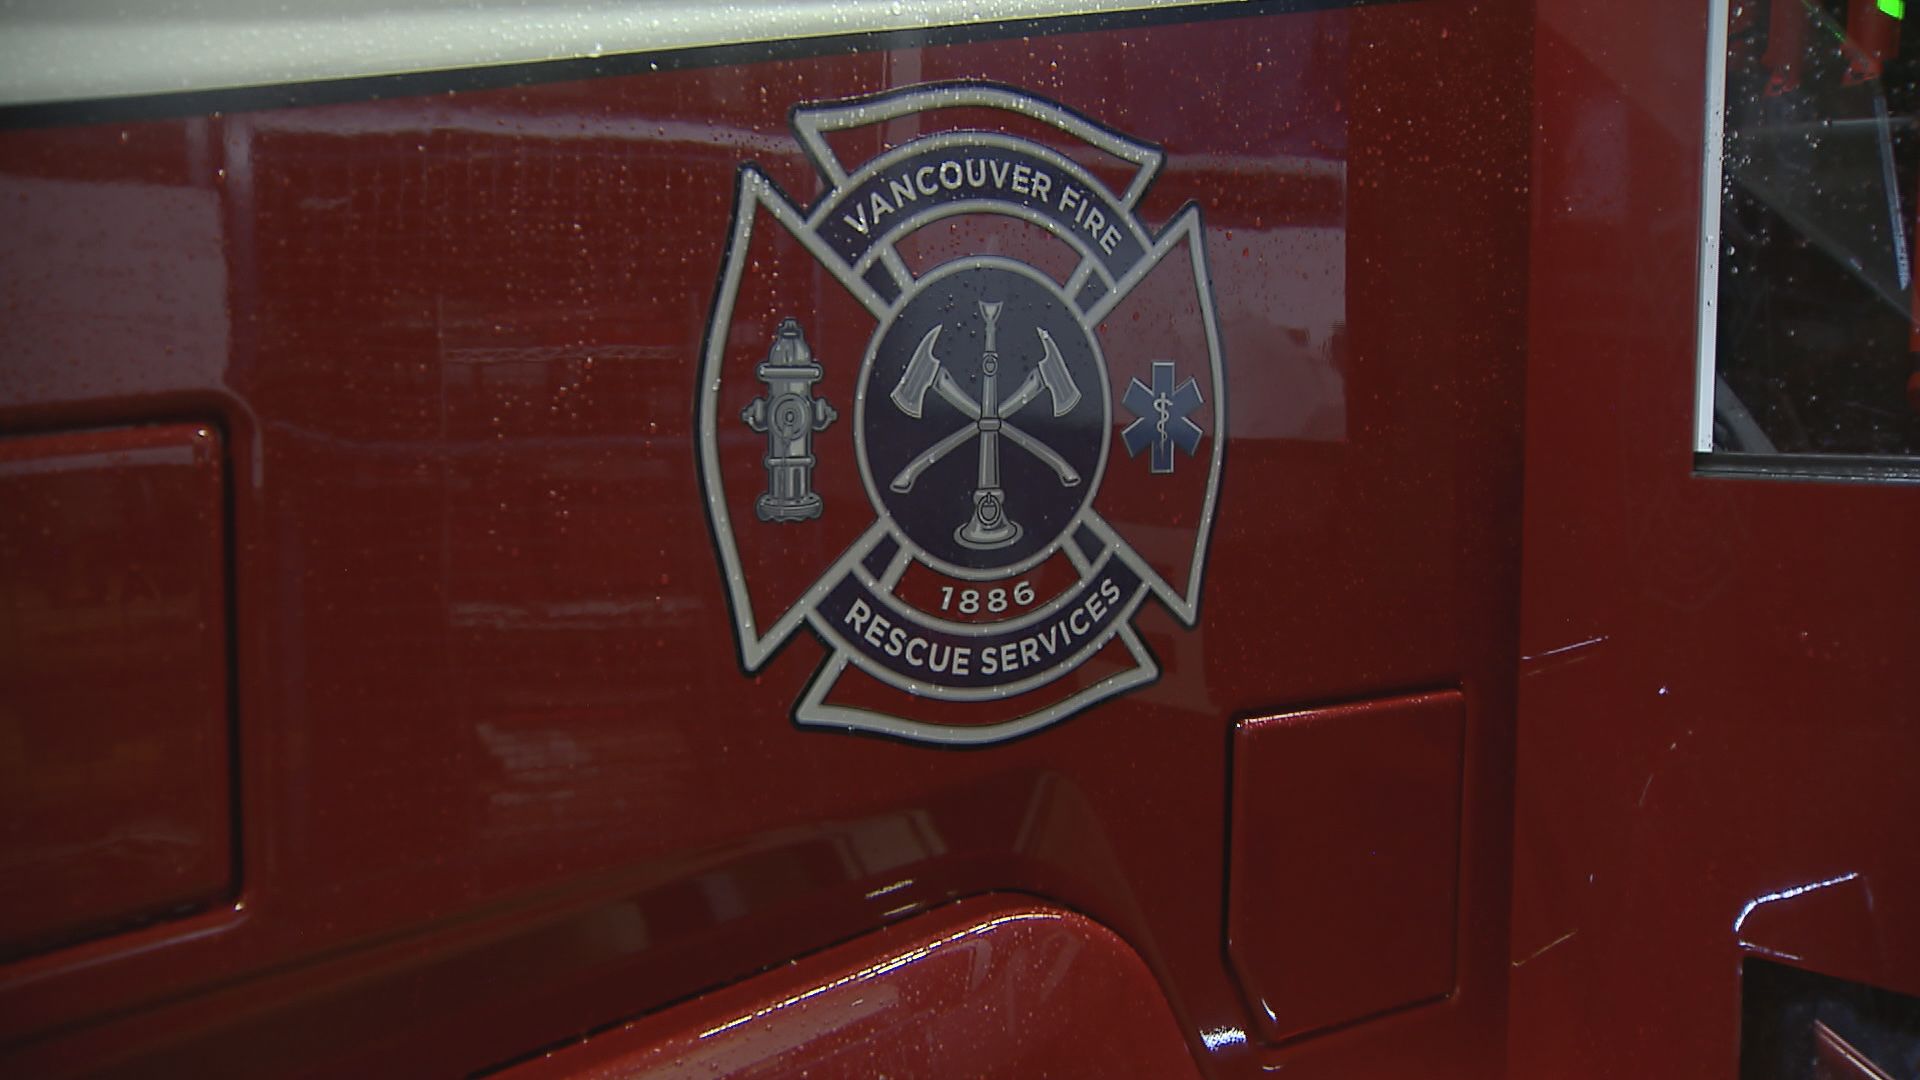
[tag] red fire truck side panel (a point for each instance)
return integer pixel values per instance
(502, 781)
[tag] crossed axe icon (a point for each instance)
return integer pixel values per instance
(988, 527)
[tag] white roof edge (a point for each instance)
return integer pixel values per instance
(81, 50)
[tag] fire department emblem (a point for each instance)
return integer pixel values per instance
(962, 417)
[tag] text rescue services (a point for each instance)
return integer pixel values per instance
(886, 636)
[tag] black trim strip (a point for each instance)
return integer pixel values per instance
(192, 103)
(1829, 468)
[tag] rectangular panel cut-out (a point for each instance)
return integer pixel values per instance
(115, 781)
(1345, 852)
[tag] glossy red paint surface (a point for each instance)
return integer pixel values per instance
(1344, 860)
(502, 780)
(990, 987)
(1717, 700)
(115, 791)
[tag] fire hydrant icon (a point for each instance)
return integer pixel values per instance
(789, 414)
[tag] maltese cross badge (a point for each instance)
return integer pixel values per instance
(910, 397)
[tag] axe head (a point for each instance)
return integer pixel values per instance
(910, 393)
(1053, 372)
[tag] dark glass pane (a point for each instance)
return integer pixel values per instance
(1796, 1025)
(1816, 338)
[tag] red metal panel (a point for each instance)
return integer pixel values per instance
(988, 987)
(1346, 844)
(504, 780)
(1717, 716)
(114, 789)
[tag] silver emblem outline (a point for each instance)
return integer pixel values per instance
(756, 191)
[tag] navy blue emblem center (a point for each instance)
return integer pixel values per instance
(985, 417)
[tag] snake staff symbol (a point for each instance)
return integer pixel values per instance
(963, 541)
(990, 526)
(1162, 412)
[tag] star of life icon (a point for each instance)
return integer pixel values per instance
(993, 587)
(1163, 421)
